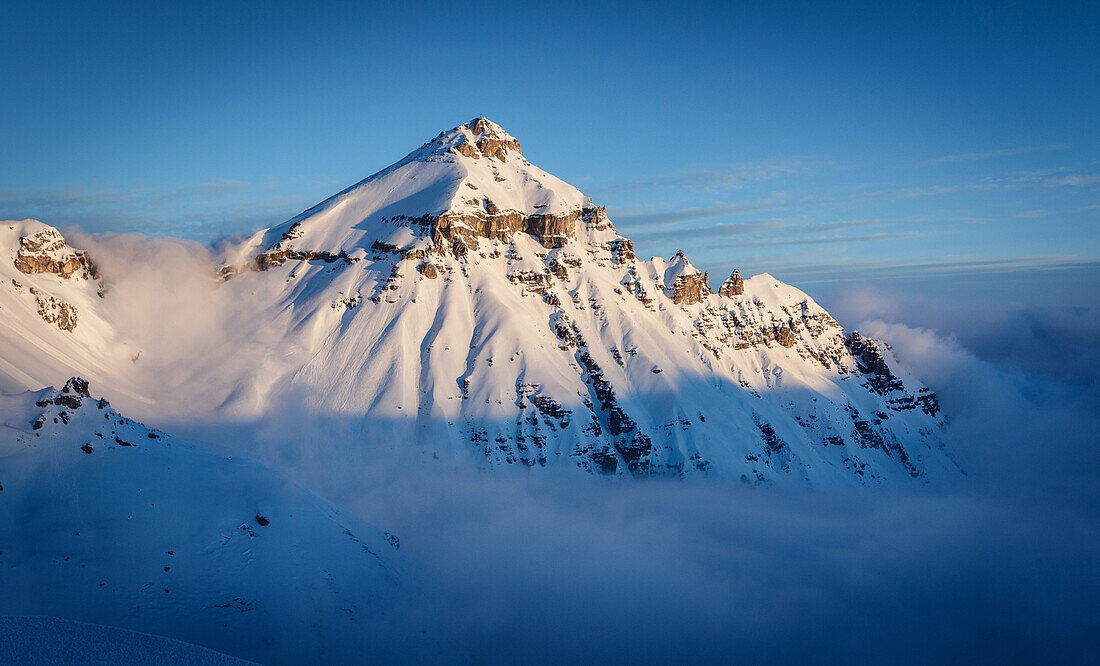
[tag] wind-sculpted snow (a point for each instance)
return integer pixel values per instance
(108, 521)
(465, 305)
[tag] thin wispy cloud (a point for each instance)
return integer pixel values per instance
(993, 154)
(1048, 212)
(207, 210)
(990, 184)
(224, 185)
(642, 217)
(1076, 180)
(847, 269)
(776, 225)
(719, 240)
(667, 217)
(1033, 214)
(823, 240)
(715, 179)
(77, 195)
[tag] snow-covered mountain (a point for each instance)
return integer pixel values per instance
(465, 304)
(106, 520)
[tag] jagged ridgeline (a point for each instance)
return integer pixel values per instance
(464, 303)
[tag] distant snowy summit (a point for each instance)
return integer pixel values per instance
(463, 304)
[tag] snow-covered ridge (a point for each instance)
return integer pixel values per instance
(467, 306)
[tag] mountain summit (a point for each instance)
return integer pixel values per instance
(463, 304)
(466, 184)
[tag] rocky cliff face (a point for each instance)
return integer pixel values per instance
(458, 233)
(690, 289)
(684, 282)
(734, 286)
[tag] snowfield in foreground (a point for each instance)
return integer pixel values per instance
(108, 521)
(34, 641)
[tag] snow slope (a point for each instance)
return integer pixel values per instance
(36, 344)
(108, 521)
(35, 641)
(464, 305)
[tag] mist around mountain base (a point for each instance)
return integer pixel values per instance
(541, 568)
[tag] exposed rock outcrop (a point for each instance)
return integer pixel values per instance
(551, 231)
(684, 283)
(70, 394)
(734, 286)
(54, 311)
(533, 281)
(47, 252)
(871, 360)
(61, 403)
(457, 234)
(485, 139)
(785, 337)
(867, 351)
(690, 289)
(622, 251)
(272, 259)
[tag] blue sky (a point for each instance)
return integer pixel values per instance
(826, 144)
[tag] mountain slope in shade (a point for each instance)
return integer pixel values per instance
(105, 520)
(464, 304)
(34, 641)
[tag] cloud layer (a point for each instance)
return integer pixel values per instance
(1000, 568)
(547, 568)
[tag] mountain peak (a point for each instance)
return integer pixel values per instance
(468, 183)
(482, 127)
(476, 139)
